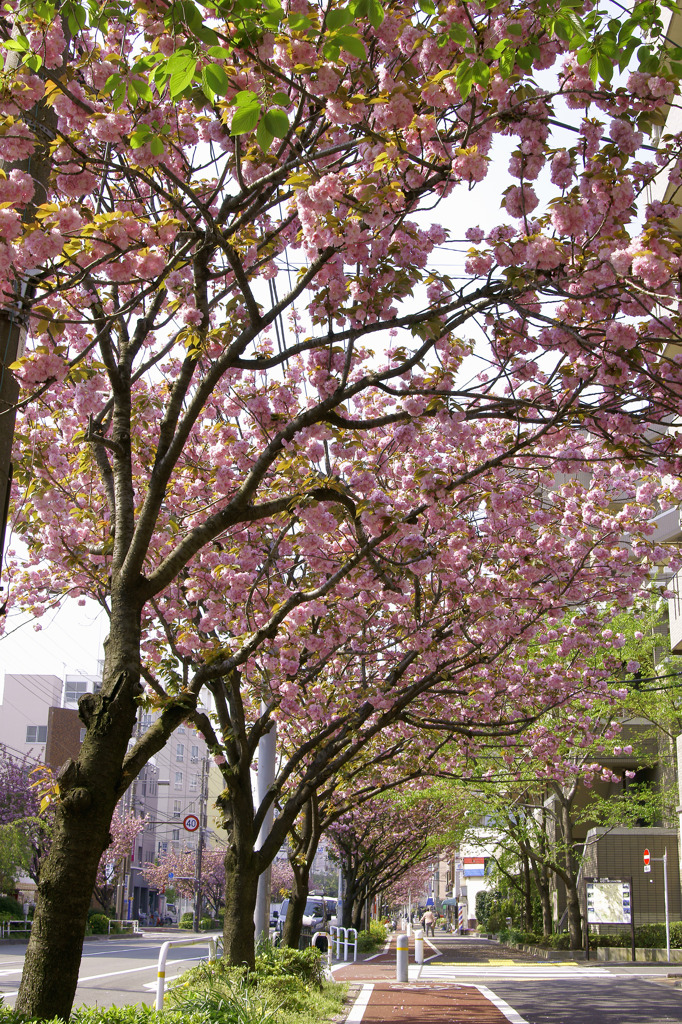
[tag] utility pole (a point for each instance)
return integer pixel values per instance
(200, 847)
(267, 748)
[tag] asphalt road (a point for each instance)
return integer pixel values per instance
(541, 992)
(113, 972)
(122, 971)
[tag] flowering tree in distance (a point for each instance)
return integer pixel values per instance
(246, 388)
(182, 866)
(125, 828)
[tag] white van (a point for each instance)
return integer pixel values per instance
(319, 914)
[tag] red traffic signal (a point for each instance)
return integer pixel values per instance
(647, 857)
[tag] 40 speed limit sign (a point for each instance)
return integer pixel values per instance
(191, 823)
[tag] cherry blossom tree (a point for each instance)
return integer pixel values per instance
(281, 879)
(28, 826)
(182, 865)
(125, 828)
(249, 429)
(382, 842)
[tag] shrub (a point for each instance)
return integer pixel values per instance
(524, 938)
(205, 924)
(186, 921)
(373, 937)
(652, 936)
(99, 924)
(280, 961)
(610, 941)
(11, 907)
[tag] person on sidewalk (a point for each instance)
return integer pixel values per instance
(428, 919)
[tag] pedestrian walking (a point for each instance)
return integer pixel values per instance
(428, 919)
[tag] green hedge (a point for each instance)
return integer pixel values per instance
(11, 908)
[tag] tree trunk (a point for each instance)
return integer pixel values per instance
(527, 899)
(241, 889)
(89, 789)
(243, 866)
(291, 932)
(542, 882)
(574, 918)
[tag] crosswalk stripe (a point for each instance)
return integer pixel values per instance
(453, 971)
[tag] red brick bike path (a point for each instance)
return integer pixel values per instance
(383, 1000)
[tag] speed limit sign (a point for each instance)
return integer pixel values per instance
(191, 823)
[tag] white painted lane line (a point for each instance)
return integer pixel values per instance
(360, 1005)
(133, 970)
(503, 1007)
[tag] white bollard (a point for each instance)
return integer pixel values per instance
(419, 946)
(401, 958)
(408, 929)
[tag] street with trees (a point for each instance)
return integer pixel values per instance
(297, 462)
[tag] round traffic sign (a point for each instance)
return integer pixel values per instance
(191, 823)
(647, 857)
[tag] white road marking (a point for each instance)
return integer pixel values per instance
(360, 1005)
(448, 972)
(503, 1007)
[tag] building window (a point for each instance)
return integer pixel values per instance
(73, 689)
(180, 752)
(181, 729)
(195, 753)
(193, 781)
(83, 732)
(176, 809)
(146, 720)
(191, 807)
(176, 835)
(36, 733)
(178, 780)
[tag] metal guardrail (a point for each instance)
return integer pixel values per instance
(337, 930)
(22, 923)
(134, 924)
(206, 940)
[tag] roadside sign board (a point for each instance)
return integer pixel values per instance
(191, 823)
(608, 902)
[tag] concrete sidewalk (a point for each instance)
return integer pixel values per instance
(383, 999)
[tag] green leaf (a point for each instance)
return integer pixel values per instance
(219, 51)
(282, 99)
(156, 146)
(299, 22)
(245, 119)
(181, 67)
(338, 18)
(138, 87)
(427, 6)
(215, 77)
(376, 13)
(19, 45)
(246, 98)
(140, 136)
(352, 44)
(277, 122)
(594, 68)
(76, 17)
(264, 137)
(458, 34)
